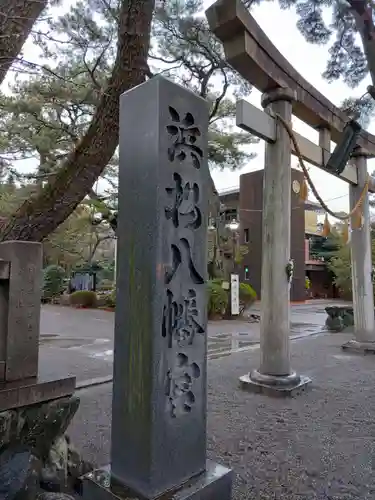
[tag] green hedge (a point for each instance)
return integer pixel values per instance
(247, 296)
(110, 300)
(84, 298)
(218, 299)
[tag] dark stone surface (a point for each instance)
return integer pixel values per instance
(19, 474)
(64, 467)
(54, 474)
(20, 299)
(159, 427)
(77, 467)
(54, 496)
(35, 453)
(37, 426)
(339, 317)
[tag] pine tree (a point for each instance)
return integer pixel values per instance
(349, 34)
(52, 115)
(16, 21)
(126, 61)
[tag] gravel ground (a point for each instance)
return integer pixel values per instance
(319, 445)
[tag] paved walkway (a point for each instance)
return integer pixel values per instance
(320, 445)
(79, 342)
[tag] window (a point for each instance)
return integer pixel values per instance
(246, 235)
(246, 273)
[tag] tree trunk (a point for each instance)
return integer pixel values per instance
(16, 20)
(42, 214)
(363, 14)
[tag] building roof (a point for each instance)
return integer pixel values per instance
(227, 191)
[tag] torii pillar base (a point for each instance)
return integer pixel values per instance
(359, 347)
(272, 385)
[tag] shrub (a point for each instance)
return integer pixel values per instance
(105, 285)
(110, 300)
(307, 283)
(84, 298)
(247, 296)
(217, 299)
(53, 282)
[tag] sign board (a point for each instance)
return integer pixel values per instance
(235, 294)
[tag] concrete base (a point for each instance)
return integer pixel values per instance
(32, 391)
(213, 484)
(272, 385)
(359, 347)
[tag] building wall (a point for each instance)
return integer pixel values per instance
(250, 217)
(231, 206)
(321, 284)
(311, 222)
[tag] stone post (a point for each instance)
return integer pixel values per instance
(362, 276)
(275, 374)
(159, 386)
(20, 299)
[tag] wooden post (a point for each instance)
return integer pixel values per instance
(275, 374)
(363, 299)
(325, 141)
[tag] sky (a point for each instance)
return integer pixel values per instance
(309, 60)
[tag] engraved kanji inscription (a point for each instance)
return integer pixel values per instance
(184, 135)
(180, 319)
(181, 254)
(184, 197)
(179, 386)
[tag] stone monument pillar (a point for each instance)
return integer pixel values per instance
(20, 299)
(275, 375)
(159, 387)
(362, 270)
(35, 411)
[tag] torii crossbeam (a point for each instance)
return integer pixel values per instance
(249, 50)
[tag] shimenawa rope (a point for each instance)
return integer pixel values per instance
(361, 199)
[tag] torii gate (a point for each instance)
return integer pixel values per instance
(286, 92)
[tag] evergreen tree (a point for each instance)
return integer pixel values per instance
(51, 111)
(324, 248)
(347, 28)
(85, 28)
(16, 21)
(53, 282)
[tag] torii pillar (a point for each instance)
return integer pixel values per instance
(362, 270)
(275, 375)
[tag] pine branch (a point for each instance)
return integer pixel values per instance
(43, 213)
